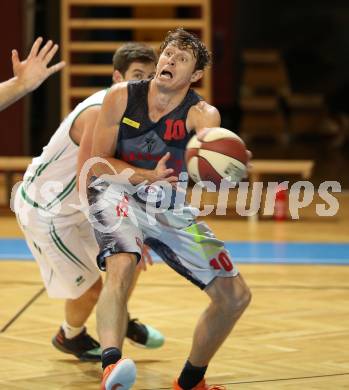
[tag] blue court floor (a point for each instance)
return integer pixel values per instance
(242, 252)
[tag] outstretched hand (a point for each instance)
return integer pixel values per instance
(32, 71)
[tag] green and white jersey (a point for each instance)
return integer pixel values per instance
(50, 180)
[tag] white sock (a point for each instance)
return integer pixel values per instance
(71, 331)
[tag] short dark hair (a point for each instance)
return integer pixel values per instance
(132, 52)
(186, 40)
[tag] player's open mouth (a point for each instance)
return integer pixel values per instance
(166, 74)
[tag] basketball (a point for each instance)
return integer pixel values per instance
(221, 155)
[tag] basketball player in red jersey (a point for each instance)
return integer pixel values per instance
(145, 126)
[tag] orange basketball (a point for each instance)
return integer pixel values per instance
(221, 155)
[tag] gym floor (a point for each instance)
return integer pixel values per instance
(294, 335)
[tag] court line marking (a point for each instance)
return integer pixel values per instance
(265, 380)
(288, 379)
(23, 309)
(240, 260)
(244, 252)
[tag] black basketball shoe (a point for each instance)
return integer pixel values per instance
(83, 346)
(87, 349)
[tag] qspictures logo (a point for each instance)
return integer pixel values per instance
(109, 191)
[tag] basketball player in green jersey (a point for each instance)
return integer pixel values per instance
(143, 129)
(30, 73)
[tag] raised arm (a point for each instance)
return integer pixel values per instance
(105, 141)
(29, 73)
(82, 134)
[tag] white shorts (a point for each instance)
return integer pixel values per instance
(64, 247)
(123, 224)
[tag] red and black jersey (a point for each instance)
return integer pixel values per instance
(142, 142)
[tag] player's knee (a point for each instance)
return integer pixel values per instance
(232, 301)
(245, 299)
(95, 290)
(120, 270)
(235, 304)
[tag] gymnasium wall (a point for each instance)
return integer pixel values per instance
(11, 119)
(312, 37)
